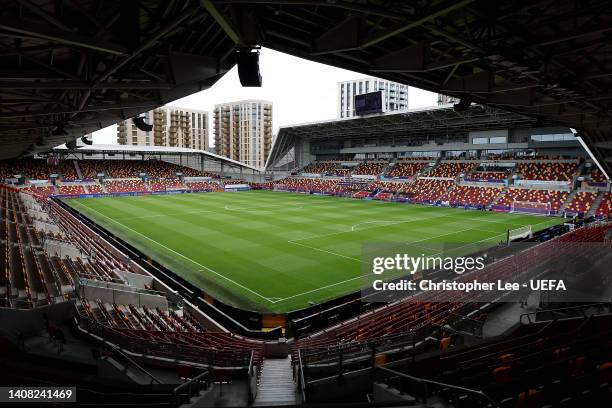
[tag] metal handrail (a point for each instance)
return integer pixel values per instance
(160, 348)
(197, 382)
(581, 308)
(250, 374)
(424, 382)
(302, 379)
(131, 361)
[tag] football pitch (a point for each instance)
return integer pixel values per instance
(277, 252)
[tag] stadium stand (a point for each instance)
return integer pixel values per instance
(450, 169)
(552, 171)
(435, 309)
(308, 184)
(204, 186)
(168, 334)
(527, 367)
(122, 186)
(166, 184)
(605, 207)
(554, 197)
(95, 188)
(391, 187)
(405, 168)
(41, 190)
(489, 175)
(327, 168)
(370, 168)
(471, 196)
(581, 202)
(71, 189)
(38, 169)
(133, 168)
(428, 190)
(597, 176)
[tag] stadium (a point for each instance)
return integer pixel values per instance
(455, 256)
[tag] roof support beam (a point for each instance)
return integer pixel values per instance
(98, 108)
(419, 21)
(65, 85)
(342, 37)
(15, 25)
(409, 59)
(43, 14)
(231, 31)
(479, 82)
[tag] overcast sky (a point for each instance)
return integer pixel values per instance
(301, 91)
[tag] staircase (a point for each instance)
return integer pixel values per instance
(496, 199)
(595, 204)
(388, 167)
(569, 199)
(276, 387)
(78, 169)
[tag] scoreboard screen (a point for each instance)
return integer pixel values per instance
(369, 103)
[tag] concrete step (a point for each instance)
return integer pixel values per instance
(276, 386)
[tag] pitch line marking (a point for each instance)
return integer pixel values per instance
(166, 215)
(318, 289)
(181, 255)
(387, 222)
(364, 229)
(326, 251)
(357, 277)
(261, 208)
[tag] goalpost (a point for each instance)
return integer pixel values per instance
(530, 207)
(519, 233)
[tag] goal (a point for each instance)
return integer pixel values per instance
(530, 207)
(519, 233)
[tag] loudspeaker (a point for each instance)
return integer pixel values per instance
(141, 124)
(464, 103)
(248, 67)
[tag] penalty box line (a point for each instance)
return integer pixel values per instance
(182, 256)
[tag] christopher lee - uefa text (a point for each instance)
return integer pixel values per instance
(460, 265)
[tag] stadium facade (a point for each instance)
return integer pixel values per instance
(171, 127)
(243, 131)
(395, 95)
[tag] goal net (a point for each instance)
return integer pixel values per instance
(520, 233)
(530, 207)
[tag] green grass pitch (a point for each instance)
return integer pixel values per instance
(277, 252)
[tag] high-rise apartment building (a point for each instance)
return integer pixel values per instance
(395, 96)
(446, 100)
(243, 131)
(172, 127)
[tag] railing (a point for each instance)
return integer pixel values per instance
(421, 389)
(564, 312)
(368, 349)
(252, 379)
(183, 393)
(156, 347)
(301, 380)
(131, 362)
(115, 285)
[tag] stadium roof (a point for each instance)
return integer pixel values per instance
(150, 150)
(68, 68)
(432, 122)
